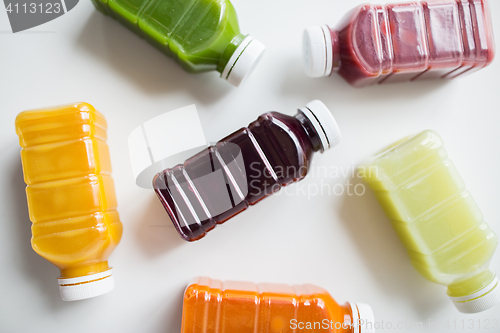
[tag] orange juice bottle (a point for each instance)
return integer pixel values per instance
(71, 196)
(213, 306)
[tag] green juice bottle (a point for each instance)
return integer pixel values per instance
(201, 35)
(437, 219)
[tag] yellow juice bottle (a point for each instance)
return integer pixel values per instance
(437, 219)
(71, 196)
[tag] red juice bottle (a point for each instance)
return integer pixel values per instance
(244, 168)
(403, 42)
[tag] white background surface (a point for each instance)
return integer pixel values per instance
(342, 243)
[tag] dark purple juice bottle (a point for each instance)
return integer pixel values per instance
(243, 168)
(403, 42)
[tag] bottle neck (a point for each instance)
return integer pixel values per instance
(471, 285)
(72, 272)
(228, 53)
(335, 50)
(310, 131)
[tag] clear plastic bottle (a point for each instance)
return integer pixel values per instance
(213, 306)
(243, 168)
(437, 219)
(402, 42)
(71, 195)
(201, 35)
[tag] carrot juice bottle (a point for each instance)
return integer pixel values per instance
(213, 306)
(403, 42)
(71, 196)
(244, 168)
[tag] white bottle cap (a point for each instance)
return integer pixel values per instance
(82, 287)
(363, 320)
(317, 51)
(243, 61)
(323, 122)
(479, 301)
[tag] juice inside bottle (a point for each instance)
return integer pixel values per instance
(402, 42)
(243, 168)
(71, 196)
(213, 306)
(201, 35)
(437, 219)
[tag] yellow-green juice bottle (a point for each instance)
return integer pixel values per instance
(437, 219)
(201, 35)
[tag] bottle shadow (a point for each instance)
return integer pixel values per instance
(155, 232)
(31, 265)
(173, 317)
(384, 253)
(111, 43)
(295, 82)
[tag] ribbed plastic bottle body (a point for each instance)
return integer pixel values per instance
(199, 34)
(413, 41)
(435, 216)
(238, 171)
(213, 306)
(70, 192)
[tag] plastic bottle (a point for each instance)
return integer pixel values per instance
(401, 42)
(201, 35)
(437, 219)
(71, 196)
(243, 168)
(213, 306)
